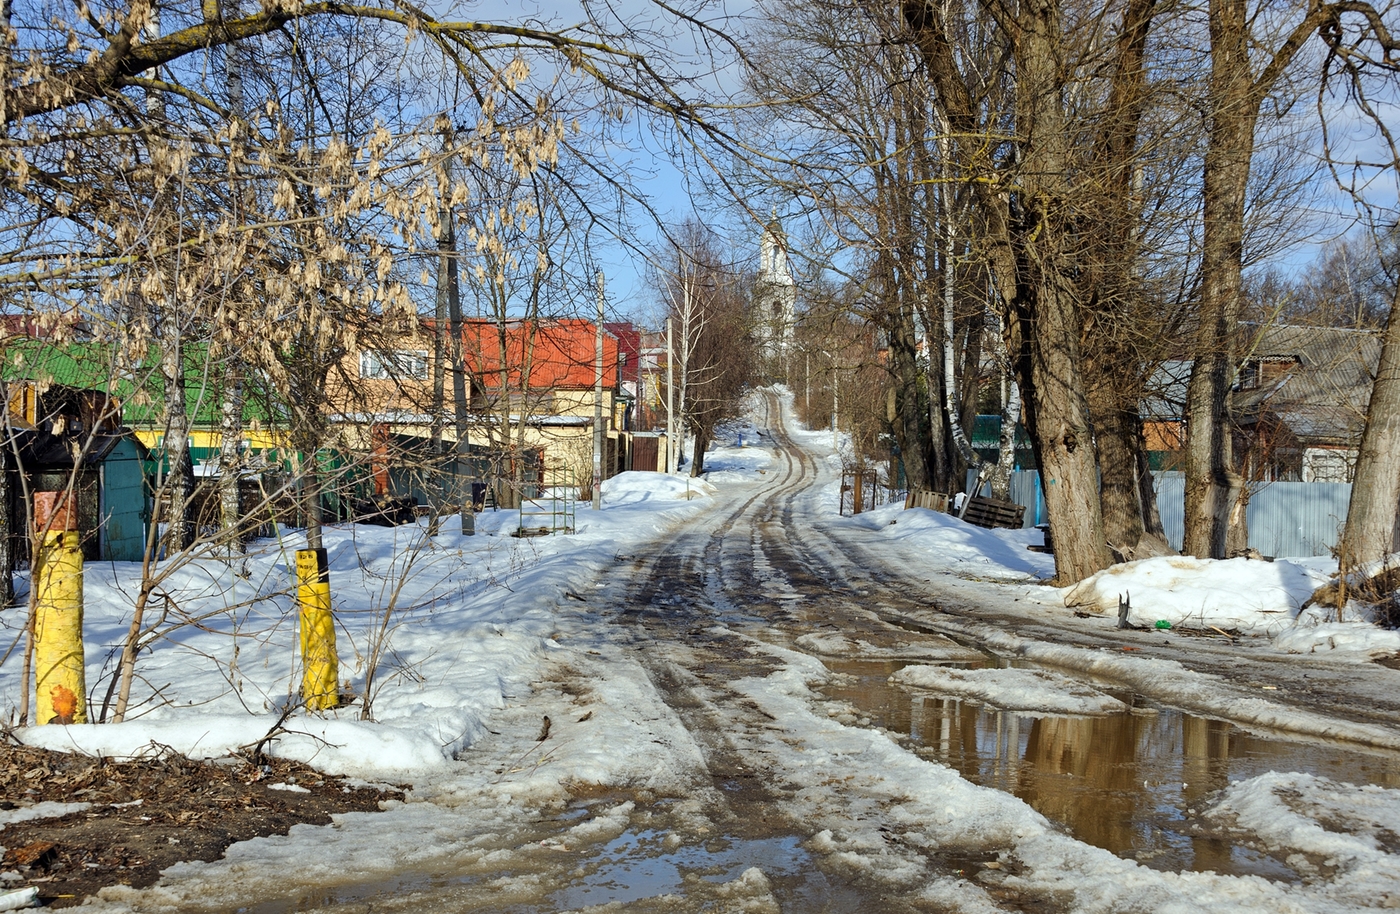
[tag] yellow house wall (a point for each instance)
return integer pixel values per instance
(262, 440)
(570, 448)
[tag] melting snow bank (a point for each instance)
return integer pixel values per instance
(831, 644)
(1242, 594)
(1285, 814)
(941, 542)
(1013, 690)
(1171, 683)
(493, 819)
(1361, 639)
(353, 748)
(896, 812)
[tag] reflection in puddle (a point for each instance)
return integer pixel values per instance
(1132, 783)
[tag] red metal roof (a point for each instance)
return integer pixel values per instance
(629, 341)
(561, 353)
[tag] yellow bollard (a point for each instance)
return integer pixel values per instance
(59, 683)
(320, 668)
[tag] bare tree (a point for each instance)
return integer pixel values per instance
(709, 307)
(1245, 69)
(1364, 57)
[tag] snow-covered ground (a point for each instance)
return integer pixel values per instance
(439, 632)
(457, 647)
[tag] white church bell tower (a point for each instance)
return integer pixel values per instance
(775, 295)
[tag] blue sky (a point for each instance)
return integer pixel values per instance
(643, 156)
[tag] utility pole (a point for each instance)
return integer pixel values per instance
(835, 408)
(670, 400)
(598, 405)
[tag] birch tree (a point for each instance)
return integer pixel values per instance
(707, 304)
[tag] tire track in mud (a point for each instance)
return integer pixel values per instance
(689, 604)
(694, 556)
(787, 545)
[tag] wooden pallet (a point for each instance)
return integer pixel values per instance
(924, 498)
(993, 512)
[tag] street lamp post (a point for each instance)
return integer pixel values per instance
(598, 405)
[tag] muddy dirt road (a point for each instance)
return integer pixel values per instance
(752, 754)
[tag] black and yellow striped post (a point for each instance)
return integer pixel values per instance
(320, 668)
(59, 680)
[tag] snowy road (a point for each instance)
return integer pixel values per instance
(702, 739)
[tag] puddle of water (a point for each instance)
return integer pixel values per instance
(1133, 783)
(639, 865)
(650, 867)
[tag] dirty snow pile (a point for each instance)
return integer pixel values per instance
(1237, 595)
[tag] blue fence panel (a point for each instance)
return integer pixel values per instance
(1171, 505)
(1025, 490)
(1285, 518)
(1298, 518)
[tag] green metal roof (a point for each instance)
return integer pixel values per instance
(986, 433)
(93, 366)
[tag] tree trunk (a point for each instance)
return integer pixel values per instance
(231, 520)
(1151, 514)
(1375, 490)
(311, 497)
(1210, 475)
(459, 373)
(910, 427)
(1120, 351)
(1031, 269)
(180, 483)
(1118, 436)
(439, 486)
(1058, 419)
(697, 453)
(954, 404)
(1006, 444)
(7, 520)
(1047, 307)
(1236, 95)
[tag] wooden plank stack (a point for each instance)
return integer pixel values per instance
(993, 512)
(984, 512)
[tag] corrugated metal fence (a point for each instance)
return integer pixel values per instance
(1285, 518)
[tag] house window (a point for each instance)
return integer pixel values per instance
(1249, 375)
(399, 364)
